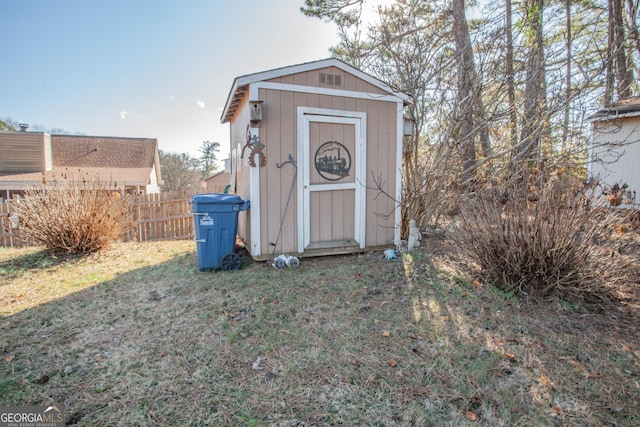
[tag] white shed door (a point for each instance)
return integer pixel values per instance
(331, 177)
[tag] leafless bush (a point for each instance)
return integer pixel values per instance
(618, 194)
(428, 184)
(543, 241)
(74, 215)
(426, 197)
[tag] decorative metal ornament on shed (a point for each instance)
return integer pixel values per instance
(332, 161)
(256, 147)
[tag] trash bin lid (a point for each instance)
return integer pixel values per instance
(217, 199)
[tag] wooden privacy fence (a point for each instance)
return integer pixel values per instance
(9, 230)
(163, 216)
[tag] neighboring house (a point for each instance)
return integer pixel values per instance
(217, 182)
(614, 152)
(317, 149)
(131, 165)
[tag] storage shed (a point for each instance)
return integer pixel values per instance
(317, 148)
(614, 152)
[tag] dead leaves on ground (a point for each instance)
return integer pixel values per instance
(240, 314)
(504, 367)
(42, 380)
(256, 366)
(572, 361)
(472, 416)
(545, 381)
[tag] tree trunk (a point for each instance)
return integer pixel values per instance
(623, 75)
(567, 100)
(632, 12)
(511, 88)
(465, 101)
(535, 114)
(610, 78)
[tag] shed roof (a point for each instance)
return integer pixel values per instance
(628, 107)
(241, 84)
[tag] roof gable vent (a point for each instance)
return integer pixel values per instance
(328, 79)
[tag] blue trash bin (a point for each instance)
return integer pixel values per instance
(215, 219)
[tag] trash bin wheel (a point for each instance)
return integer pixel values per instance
(230, 261)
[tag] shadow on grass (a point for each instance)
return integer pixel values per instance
(540, 361)
(100, 346)
(353, 340)
(39, 259)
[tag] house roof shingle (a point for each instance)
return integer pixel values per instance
(117, 160)
(625, 107)
(102, 152)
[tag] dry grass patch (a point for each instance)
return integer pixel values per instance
(357, 340)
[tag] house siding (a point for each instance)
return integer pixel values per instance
(615, 153)
(48, 154)
(25, 152)
(153, 187)
(217, 183)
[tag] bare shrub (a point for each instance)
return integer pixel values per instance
(428, 184)
(74, 215)
(618, 194)
(426, 197)
(543, 241)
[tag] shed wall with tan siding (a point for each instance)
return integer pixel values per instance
(313, 79)
(241, 175)
(278, 133)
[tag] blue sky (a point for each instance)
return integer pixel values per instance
(145, 68)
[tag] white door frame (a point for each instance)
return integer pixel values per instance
(305, 116)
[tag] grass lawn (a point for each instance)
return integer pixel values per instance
(137, 335)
